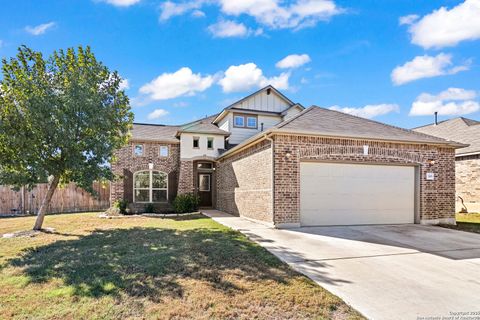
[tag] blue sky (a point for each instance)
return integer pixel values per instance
(187, 59)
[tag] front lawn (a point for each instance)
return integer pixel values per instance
(150, 268)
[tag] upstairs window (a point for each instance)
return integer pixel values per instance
(196, 142)
(239, 121)
(163, 151)
(252, 122)
(138, 150)
(209, 143)
(245, 121)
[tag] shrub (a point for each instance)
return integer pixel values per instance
(149, 208)
(184, 203)
(121, 205)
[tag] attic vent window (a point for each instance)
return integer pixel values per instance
(268, 91)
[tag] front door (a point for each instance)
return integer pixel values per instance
(205, 189)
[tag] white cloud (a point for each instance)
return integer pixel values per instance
(124, 84)
(40, 29)
(272, 13)
(180, 83)
(198, 14)
(426, 67)
(171, 9)
(157, 113)
(369, 111)
(246, 76)
(453, 101)
(446, 28)
(228, 29)
(293, 61)
(411, 18)
(122, 3)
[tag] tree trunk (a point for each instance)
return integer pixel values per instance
(45, 203)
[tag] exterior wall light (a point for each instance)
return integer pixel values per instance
(431, 162)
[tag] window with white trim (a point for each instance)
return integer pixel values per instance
(252, 122)
(163, 151)
(196, 142)
(150, 186)
(138, 150)
(239, 121)
(209, 143)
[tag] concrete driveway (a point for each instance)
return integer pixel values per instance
(385, 272)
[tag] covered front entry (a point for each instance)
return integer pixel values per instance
(204, 182)
(354, 194)
(205, 189)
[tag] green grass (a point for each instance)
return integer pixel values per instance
(468, 222)
(150, 268)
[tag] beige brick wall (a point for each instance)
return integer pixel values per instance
(467, 173)
(244, 183)
(126, 164)
(437, 198)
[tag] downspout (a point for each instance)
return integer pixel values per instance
(272, 144)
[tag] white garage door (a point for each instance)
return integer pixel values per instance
(348, 194)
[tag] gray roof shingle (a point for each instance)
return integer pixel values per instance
(154, 132)
(203, 127)
(334, 123)
(459, 129)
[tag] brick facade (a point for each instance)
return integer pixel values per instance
(244, 183)
(467, 173)
(186, 180)
(244, 180)
(436, 198)
(127, 164)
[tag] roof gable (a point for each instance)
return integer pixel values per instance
(267, 99)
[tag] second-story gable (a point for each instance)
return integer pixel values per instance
(255, 113)
(267, 99)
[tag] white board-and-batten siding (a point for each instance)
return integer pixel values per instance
(238, 135)
(263, 102)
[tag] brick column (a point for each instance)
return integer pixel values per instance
(185, 180)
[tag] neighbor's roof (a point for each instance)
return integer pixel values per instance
(459, 129)
(323, 122)
(154, 132)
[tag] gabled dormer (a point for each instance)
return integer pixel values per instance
(255, 113)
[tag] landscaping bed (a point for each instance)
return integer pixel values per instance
(173, 268)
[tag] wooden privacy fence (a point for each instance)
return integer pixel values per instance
(69, 198)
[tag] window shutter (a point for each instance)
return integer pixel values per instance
(128, 185)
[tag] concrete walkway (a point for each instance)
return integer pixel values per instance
(385, 272)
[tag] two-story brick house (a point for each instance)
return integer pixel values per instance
(270, 159)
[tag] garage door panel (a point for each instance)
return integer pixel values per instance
(341, 194)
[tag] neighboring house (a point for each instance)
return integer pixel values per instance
(467, 160)
(269, 159)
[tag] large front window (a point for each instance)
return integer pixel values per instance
(150, 186)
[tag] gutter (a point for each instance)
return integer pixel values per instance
(467, 154)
